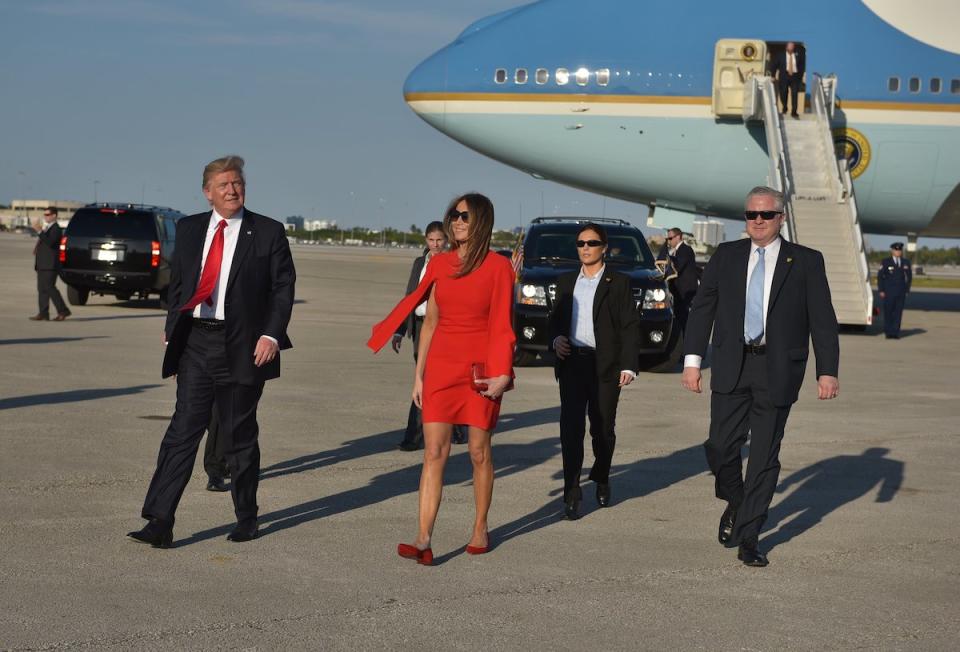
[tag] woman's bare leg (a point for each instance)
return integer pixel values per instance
(481, 456)
(436, 450)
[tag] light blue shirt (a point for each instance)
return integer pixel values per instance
(581, 325)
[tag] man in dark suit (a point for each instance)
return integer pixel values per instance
(436, 241)
(790, 67)
(231, 294)
(763, 298)
(593, 330)
(47, 262)
(686, 279)
(893, 283)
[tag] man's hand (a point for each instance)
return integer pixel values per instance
(625, 378)
(163, 338)
(828, 387)
(37, 225)
(396, 342)
(265, 352)
(690, 379)
(561, 346)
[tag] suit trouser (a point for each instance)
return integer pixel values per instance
(791, 83)
(203, 380)
(747, 408)
(892, 313)
(47, 291)
(214, 463)
(583, 395)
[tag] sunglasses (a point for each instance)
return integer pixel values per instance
(588, 243)
(463, 215)
(766, 215)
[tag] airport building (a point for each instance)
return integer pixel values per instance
(709, 232)
(24, 212)
(319, 225)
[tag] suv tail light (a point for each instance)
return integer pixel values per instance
(63, 249)
(154, 254)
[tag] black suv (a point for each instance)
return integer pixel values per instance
(549, 250)
(118, 249)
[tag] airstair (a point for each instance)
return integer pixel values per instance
(820, 203)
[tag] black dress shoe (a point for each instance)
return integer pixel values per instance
(157, 533)
(750, 554)
(245, 531)
(216, 484)
(571, 504)
(460, 435)
(39, 317)
(410, 446)
(603, 494)
(727, 521)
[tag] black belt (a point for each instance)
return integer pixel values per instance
(209, 324)
(583, 350)
(755, 349)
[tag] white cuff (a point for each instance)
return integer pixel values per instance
(633, 374)
(691, 360)
(272, 339)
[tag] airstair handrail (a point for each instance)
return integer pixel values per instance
(777, 177)
(866, 289)
(823, 112)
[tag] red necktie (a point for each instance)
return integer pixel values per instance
(211, 270)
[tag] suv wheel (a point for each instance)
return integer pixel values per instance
(76, 296)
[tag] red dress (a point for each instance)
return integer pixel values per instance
(475, 326)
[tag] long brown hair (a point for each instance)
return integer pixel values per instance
(480, 230)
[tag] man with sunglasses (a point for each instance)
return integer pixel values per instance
(593, 331)
(764, 299)
(46, 255)
(684, 285)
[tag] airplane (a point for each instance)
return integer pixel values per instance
(642, 101)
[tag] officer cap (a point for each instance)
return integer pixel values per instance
(897, 245)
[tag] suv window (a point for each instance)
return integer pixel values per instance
(129, 224)
(625, 246)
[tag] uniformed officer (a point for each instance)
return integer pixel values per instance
(893, 282)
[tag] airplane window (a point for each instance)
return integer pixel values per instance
(935, 85)
(955, 86)
(543, 75)
(914, 84)
(583, 76)
(500, 76)
(893, 84)
(562, 76)
(603, 76)
(520, 76)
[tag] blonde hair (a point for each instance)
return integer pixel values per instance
(229, 163)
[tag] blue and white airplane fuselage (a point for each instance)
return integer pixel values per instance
(614, 97)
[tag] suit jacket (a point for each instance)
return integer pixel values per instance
(259, 294)
(893, 279)
(47, 250)
(406, 328)
(684, 263)
(615, 322)
(799, 309)
(781, 64)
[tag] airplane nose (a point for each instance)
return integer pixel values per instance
(425, 88)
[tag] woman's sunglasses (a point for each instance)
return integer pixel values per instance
(767, 215)
(463, 215)
(589, 243)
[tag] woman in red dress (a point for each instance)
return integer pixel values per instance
(465, 360)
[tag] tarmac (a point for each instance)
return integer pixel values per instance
(863, 533)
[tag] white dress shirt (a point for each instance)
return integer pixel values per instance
(230, 235)
(421, 310)
(770, 254)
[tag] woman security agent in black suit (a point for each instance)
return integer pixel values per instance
(593, 330)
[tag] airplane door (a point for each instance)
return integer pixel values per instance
(734, 62)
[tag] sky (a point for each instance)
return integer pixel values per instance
(129, 99)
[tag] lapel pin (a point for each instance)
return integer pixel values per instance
(789, 260)
(249, 232)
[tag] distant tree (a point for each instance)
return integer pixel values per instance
(414, 229)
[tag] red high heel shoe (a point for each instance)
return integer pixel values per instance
(479, 550)
(424, 557)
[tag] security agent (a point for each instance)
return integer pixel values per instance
(593, 330)
(893, 282)
(763, 299)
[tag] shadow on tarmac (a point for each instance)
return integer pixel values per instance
(71, 396)
(829, 485)
(930, 301)
(51, 340)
